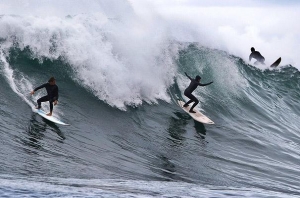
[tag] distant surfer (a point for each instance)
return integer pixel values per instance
(256, 55)
(52, 94)
(189, 90)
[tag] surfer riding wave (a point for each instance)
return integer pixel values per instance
(52, 94)
(189, 90)
(256, 55)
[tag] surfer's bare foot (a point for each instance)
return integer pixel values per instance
(191, 111)
(37, 107)
(49, 114)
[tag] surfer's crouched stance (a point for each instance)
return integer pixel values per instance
(256, 55)
(52, 94)
(188, 91)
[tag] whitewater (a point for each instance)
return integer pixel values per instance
(120, 67)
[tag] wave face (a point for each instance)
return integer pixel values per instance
(115, 63)
(120, 69)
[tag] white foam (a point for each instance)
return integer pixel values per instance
(235, 26)
(121, 63)
(20, 84)
(123, 51)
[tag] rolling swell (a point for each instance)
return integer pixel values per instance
(254, 144)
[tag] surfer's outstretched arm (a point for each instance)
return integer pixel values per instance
(205, 84)
(188, 76)
(40, 87)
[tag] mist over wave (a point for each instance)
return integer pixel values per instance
(124, 52)
(233, 26)
(121, 65)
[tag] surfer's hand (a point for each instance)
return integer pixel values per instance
(32, 92)
(211, 82)
(55, 102)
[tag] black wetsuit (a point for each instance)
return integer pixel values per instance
(257, 56)
(52, 91)
(188, 91)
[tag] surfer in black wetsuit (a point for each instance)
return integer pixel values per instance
(188, 91)
(52, 94)
(256, 55)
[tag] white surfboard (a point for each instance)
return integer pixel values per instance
(50, 118)
(196, 116)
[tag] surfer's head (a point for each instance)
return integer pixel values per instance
(51, 81)
(252, 49)
(198, 78)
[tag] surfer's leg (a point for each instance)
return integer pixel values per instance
(190, 96)
(187, 104)
(51, 108)
(196, 102)
(40, 100)
(51, 105)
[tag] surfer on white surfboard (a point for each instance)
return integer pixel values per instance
(188, 91)
(256, 55)
(52, 94)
